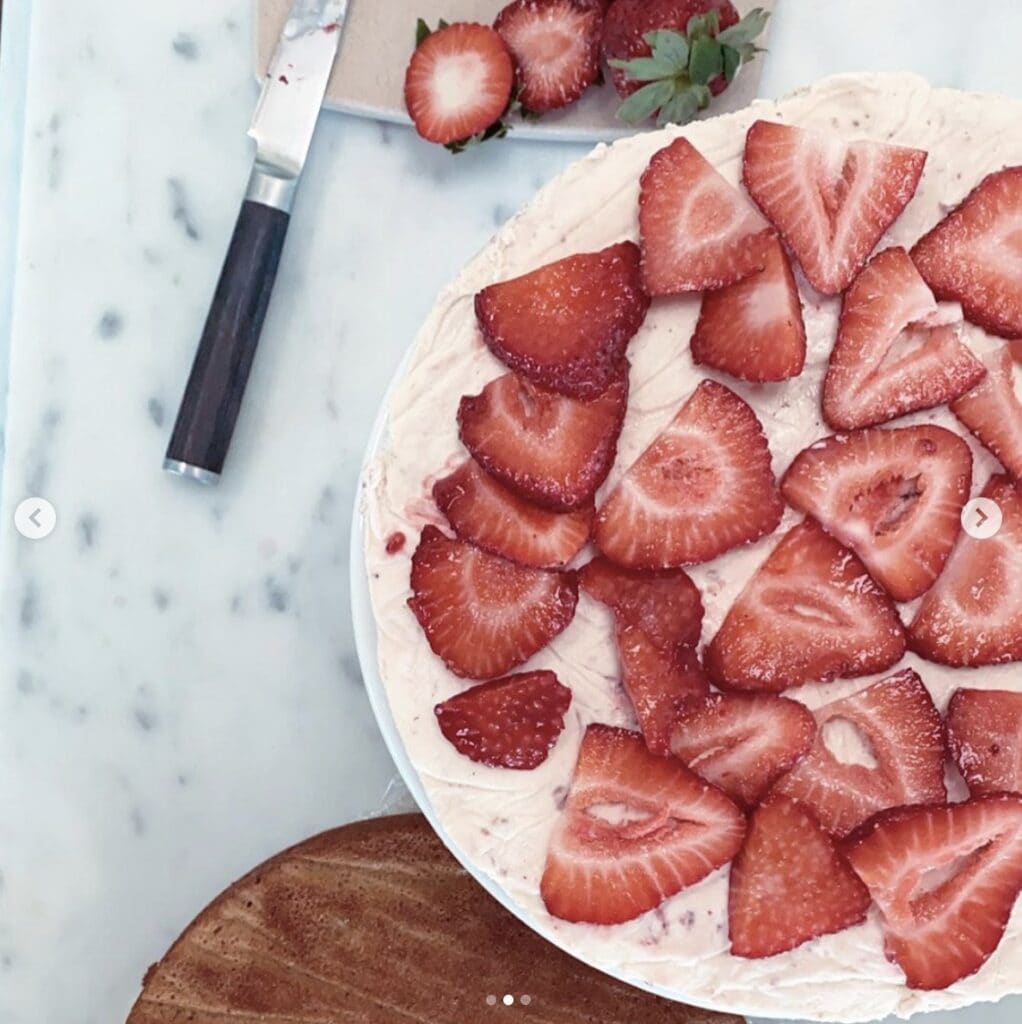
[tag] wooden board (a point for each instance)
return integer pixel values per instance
(380, 36)
(376, 923)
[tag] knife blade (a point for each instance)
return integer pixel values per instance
(282, 126)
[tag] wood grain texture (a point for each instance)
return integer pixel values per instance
(376, 923)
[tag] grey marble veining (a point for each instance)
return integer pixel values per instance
(179, 693)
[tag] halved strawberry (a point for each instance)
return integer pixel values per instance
(811, 613)
(496, 519)
(753, 329)
(789, 883)
(904, 734)
(701, 488)
(629, 21)
(566, 325)
(658, 682)
(482, 614)
(896, 350)
(831, 200)
(458, 82)
(665, 605)
(697, 230)
(893, 496)
(556, 48)
(508, 723)
(945, 880)
(972, 256)
(984, 734)
(742, 743)
(993, 412)
(553, 450)
(973, 614)
(670, 831)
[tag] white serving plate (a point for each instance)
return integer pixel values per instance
(368, 79)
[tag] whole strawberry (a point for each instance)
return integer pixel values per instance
(670, 57)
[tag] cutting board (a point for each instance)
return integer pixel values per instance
(376, 922)
(378, 41)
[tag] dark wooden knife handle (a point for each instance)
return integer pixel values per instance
(212, 398)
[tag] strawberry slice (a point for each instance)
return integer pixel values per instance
(458, 82)
(984, 733)
(973, 615)
(508, 723)
(896, 350)
(658, 681)
(972, 255)
(905, 736)
(742, 743)
(753, 330)
(670, 830)
(701, 488)
(497, 520)
(665, 605)
(697, 230)
(629, 21)
(893, 496)
(482, 614)
(945, 880)
(993, 412)
(556, 48)
(831, 200)
(811, 613)
(565, 326)
(789, 883)
(552, 450)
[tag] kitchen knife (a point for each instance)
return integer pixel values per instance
(282, 126)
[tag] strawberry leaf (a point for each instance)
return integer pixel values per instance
(679, 109)
(746, 30)
(706, 60)
(732, 62)
(646, 69)
(671, 47)
(701, 25)
(642, 103)
(422, 32)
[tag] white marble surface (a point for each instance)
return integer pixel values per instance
(179, 696)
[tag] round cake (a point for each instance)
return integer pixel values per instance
(502, 821)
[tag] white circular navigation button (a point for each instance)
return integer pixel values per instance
(981, 518)
(35, 518)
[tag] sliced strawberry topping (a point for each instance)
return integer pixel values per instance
(697, 230)
(974, 255)
(831, 200)
(482, 614)
(984, 732)
(993, 412)
(635, 830)
(789, 883)
(893, 496)
(945, 880)
(565, 326)
(490, 516)
(556, 47)
(742, 743)
(665, 605)
(891, 357)
(551, 449)
(753, 329)
(629, 21)
(904, 735)
(508, 723)
(701, 488)
(973, 615)
(811, 613)
(658, 682)
(458, 82)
